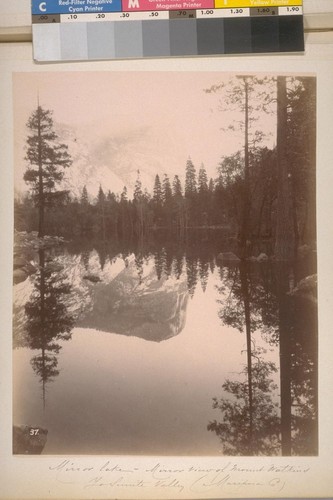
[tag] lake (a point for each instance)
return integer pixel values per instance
(162, 347)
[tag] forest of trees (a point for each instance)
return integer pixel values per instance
(258, 193)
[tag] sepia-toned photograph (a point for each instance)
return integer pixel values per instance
(165, 264)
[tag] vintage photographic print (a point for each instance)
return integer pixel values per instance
(165, 286)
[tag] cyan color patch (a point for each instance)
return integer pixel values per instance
(42, 7)
(156, 38)
(47, 45)
(74, 41)
(183, 37)
(210, 36)
(101, 40)
(128, 39)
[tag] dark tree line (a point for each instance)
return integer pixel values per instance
(271, 193)
(193, 259)
(170, 206)
(258, 192)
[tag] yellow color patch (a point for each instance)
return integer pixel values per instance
(219, 4)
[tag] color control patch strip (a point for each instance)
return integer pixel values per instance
(72, 30)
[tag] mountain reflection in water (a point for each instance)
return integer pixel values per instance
(233, 351)
(149, 308)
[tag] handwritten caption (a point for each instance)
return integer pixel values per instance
(230, 477)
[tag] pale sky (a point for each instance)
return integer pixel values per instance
(169, 111)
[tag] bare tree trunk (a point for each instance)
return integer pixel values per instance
(295, 218)
(40, 179)
(244, 236)
(246, 298)
(285, 358)
(42, 316)
(310, 233)
(284, 237)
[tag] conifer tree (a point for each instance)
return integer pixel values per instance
(138, 199)
(157, 195)
(47, 159)
(123, 196)
(166, 190)
(101, 209)
(178, 204)
(203, 196)
(176, 187)
(84, 196)
(137, 196)
(100, 196)
(167, 200)
(190, 179)
(202, 180)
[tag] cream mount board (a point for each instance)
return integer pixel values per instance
(70, 476)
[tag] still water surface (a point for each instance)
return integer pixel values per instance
(164, 350)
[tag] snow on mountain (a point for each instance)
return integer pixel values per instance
(145, 307)
(113, 161)
(120, 297)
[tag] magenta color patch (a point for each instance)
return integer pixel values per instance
(151, 5)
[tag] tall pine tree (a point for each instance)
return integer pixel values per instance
(47, 160)
(166, 190)
(190, 194)
(157, 195)
(202, 180)
(190, 179)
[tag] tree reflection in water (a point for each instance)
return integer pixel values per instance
(250, 424)
(251, 421)
(270, 407)
(47, 318)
